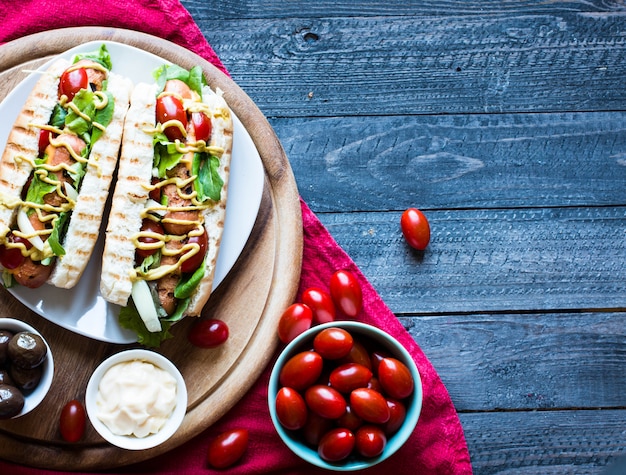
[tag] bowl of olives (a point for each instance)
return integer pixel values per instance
(26, 368)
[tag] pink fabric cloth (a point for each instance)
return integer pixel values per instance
(437, 446)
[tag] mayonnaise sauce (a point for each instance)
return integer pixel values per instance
(135, 398)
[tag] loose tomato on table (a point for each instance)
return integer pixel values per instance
(72, 421)
(72, 81)
(227, 448)
(321, 304)
(171, 108)
(415, 228)
(209, 333)
(346, 292)
(296, 319)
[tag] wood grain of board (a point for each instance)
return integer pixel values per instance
(250, 300)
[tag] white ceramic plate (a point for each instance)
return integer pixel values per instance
(82, 309)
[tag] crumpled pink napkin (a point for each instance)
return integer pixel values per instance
(437, 446)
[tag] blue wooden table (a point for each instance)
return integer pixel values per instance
(505, 122)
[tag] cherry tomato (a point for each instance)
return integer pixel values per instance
(349, 420)
(395, 378)
(374, 384)
(325, 401)
(333, 343)
(358, 354)
(376, 357)
(315, 428)
(149, 226)
(320, 303)
(301, 370)
(336, 445)
(348, 377)
(171, 108)
(44, 141)
(370, 441)
(72, 421)
(208, 333)
(227, 448)
(291, 409)
(415, 228)
(397, 414)
(296, 319)
(11, 257)
(346, 292)
(202, 126)
(73, 81)
(155, 194)
(197, 259)
(370, 405)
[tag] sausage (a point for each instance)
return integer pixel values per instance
(61, 155)
(167, 284)
(188, 218)
(32, 274)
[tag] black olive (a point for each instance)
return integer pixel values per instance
(27, 350)
(11, 401)
(26, 378)
(5, 378)
(5, 336)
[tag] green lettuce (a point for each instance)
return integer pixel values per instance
(101, 56)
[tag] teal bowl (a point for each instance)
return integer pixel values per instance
(378, 339)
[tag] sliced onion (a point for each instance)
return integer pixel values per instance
(27, 228)
(156, 207)
(142, 297)
(71, 192)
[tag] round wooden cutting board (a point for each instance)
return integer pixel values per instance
(263, 282)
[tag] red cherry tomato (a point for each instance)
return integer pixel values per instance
(197, 259)
(149, 226)
(208, 333)
(320, 303)
(397, 414)
(155, 194)
(395, 378)
(349, 420)
(301, 370)
(346, 292)
(44, 141)
(227, 448)
(72, 421)
(337, 444)
(291, 409)
(370, 441)
(296, 319)
(11, 257)
(73, 81)
(376, 357)
(358, 354)
(315, 428)
(202, 126)
(370, 405)
(171, 108)
(348, 377)
(325, 401)
(333, 343)
(415, 228)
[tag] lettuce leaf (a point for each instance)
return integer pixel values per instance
(129, 318)
(103, 116)
(208, 183)
(101, 56)
(166, 156)
(194, 78)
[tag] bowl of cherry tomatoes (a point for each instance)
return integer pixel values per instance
(344, 395)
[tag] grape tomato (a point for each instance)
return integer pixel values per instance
(333, 343)
(321, 304)
(171, 108)
(370, 441)
(227, 448)
(296, 319)
(350, 376)
(346, 292)
(72, 421)
(415, 228)
(72, 81)
(202, 126)
(301, 370)
(395, 378)
(196, 260)
(336, 445)
(370, 405)
(209, 333)
(291, 410)
(325, 401)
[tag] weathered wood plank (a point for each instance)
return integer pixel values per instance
(236, 9)
(492, 260)
(527, 361)
(546, 443)
(458, 161)
(426, 65)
